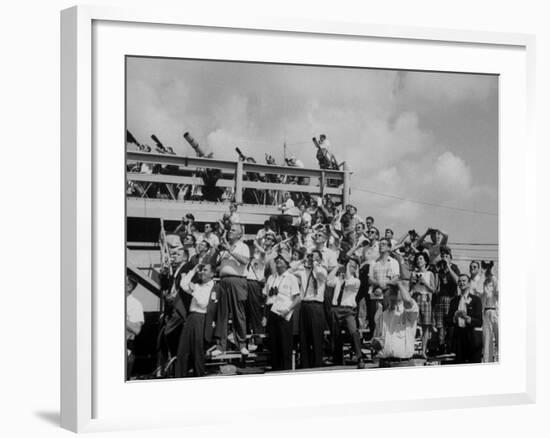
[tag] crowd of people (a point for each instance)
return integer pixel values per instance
(315, 269)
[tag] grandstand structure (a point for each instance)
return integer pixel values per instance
(157, 198)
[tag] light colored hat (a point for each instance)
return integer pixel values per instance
(284, 255)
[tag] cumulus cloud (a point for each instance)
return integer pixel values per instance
(383, 123)
(452, 173)
(449, 88)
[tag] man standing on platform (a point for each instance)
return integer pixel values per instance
(312, 312)
(234, 258)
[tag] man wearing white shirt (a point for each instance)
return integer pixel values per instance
(191, 345)
(283, 294)
(345, 281)
(384, 273)
(312, 311)
(395, 333)
(234, 258)
(330, 261)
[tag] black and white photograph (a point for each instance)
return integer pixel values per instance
(286, 218)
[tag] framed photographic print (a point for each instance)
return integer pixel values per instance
(292, 205)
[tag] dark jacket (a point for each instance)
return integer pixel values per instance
(466, 341)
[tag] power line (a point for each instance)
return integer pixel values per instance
(426, 203)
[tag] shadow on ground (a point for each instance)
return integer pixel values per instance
(50, 417)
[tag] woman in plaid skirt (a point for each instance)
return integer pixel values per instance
(447, 273)
(422, 289)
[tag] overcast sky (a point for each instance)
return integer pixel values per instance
(411, 136)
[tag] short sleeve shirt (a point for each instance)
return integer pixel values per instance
(230, 266)
(287, 288)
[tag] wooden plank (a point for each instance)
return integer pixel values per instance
(282, 187)
(142, 279)
(181, 161)
(203, 211)
(294, 171)
(175, 179)
(196, 162)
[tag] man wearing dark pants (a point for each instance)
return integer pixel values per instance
(466, 318)
(254, 305)
(283, 294)
(312, 312)
(343, 312)
(191, 345)
(234, 258)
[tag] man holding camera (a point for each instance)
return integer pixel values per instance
(383, 274)
(234, 258)
(465, 315)
(344, 279)
(283, 295)
(312, 311)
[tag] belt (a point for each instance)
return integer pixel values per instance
(231, 276)
(490, 308)
(312, 302)
(256, 281)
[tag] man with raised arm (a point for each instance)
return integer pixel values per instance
(312, 311)
(438, 240)
(234, 258)
(345, 281)
(191, 345)
(394, 337)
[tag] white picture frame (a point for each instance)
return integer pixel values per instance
(89, 399)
